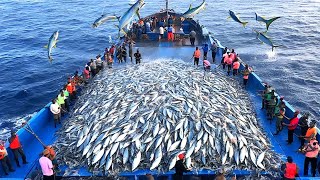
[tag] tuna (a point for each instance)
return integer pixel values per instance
(149, 113)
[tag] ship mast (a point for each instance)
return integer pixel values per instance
(167, 9)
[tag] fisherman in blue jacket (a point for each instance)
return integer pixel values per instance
(205, 50)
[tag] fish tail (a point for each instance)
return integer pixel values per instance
(274, 46)
(270, 21)
(244, 24)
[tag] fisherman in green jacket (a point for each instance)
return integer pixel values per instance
(66, 99)
(61, 102)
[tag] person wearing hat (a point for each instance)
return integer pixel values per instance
(52, 156)
(5, 161)
(290, 169)
(46, 165)
(292, 126)
(312, 151)
(180, 168)
(16, 148)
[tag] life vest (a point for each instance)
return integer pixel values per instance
(291, 170)
(15, 143)
(236, 65)
(293, 123)
(3, 152)
(69, 88)
(310, 152)
(197, 54)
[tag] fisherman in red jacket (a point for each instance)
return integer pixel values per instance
(292, 126)
(16, 148)
(5, 161)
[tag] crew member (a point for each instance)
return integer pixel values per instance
(224, 57)
(311, 150)
(303, 123)
(233, 55)
(246, 72)
(52, 156)
(137, 55)
(99, 63)
(16, 148)
(46, 165)
(192, 35)
(70, 89)
(205, 49)
(86, 74)
(93, 67)
(110, 61)
(311, 132)
(55, 110)
(66, 95)
(161, 32)
(280, 115)
(170, 33)
(5, 161)
(214, 50)
(206, 65)
(111, 51)
(180, 168)
(235, 67)
(131, 50)
(292, 126)
(61, 102)
(124, 53)
(290, 169)
(196, 56)
(228, 62)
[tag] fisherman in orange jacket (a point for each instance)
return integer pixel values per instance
(5, 161)
(16, 148)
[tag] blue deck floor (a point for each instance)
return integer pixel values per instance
(168, 50)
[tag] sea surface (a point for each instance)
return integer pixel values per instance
(29, 81)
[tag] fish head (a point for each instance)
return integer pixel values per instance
(141, 2)
(56, 35)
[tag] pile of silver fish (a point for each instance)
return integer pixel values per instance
(143, 116)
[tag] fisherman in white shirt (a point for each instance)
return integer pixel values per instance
(161, 32)
(55, 110)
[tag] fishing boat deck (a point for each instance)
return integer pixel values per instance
(42, 123)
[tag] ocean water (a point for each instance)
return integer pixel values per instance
(29, 81)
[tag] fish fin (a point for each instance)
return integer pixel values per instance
(256, 16)
(271, 21)
(46, 46)
(244, 24)
(55, 46)
(138, 14)
(190, 6)
(229, 17)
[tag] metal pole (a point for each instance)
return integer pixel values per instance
(167, 9)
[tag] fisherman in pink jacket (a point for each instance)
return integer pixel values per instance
(206, 65)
